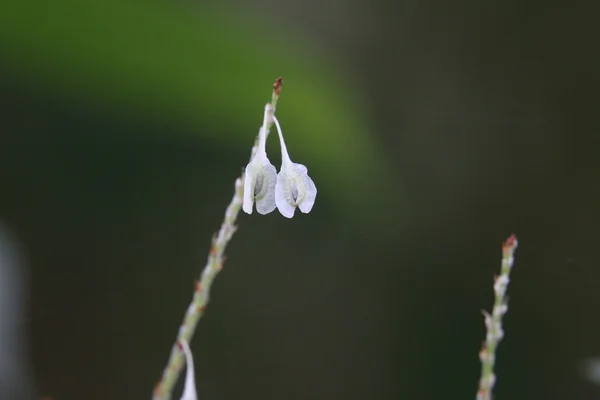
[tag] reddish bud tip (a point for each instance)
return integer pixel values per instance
(510, 242)
(277, 85)
(197, 286)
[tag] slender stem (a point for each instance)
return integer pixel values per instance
(493, 322)
(214, 263)
(285, 157)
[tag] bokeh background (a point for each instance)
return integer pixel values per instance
(432, 129)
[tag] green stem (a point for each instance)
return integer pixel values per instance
(214, 263)
(493, 322)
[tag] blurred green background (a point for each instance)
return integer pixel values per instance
(432, 130)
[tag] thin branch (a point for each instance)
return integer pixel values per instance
(216, 258)
(493, 322)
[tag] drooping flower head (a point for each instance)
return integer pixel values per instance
(189, 389)
(294, 187)
(261, 175)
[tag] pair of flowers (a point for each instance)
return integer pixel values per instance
(286, 190)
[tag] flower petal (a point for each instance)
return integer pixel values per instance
(294, 189)
(266, 203)
(189, 390)
(283, 195)
(249, 182)
(300, 168)
(310, 194)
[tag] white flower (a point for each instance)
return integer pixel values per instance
(294, 187)
(261, 176)
(189, 390)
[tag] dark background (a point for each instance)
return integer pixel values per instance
(432, 129)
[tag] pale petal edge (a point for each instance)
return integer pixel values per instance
(248, 202)
(310, 195)
(300, 168)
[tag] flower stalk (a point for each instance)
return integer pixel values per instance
(493, 322)
(214, 263)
